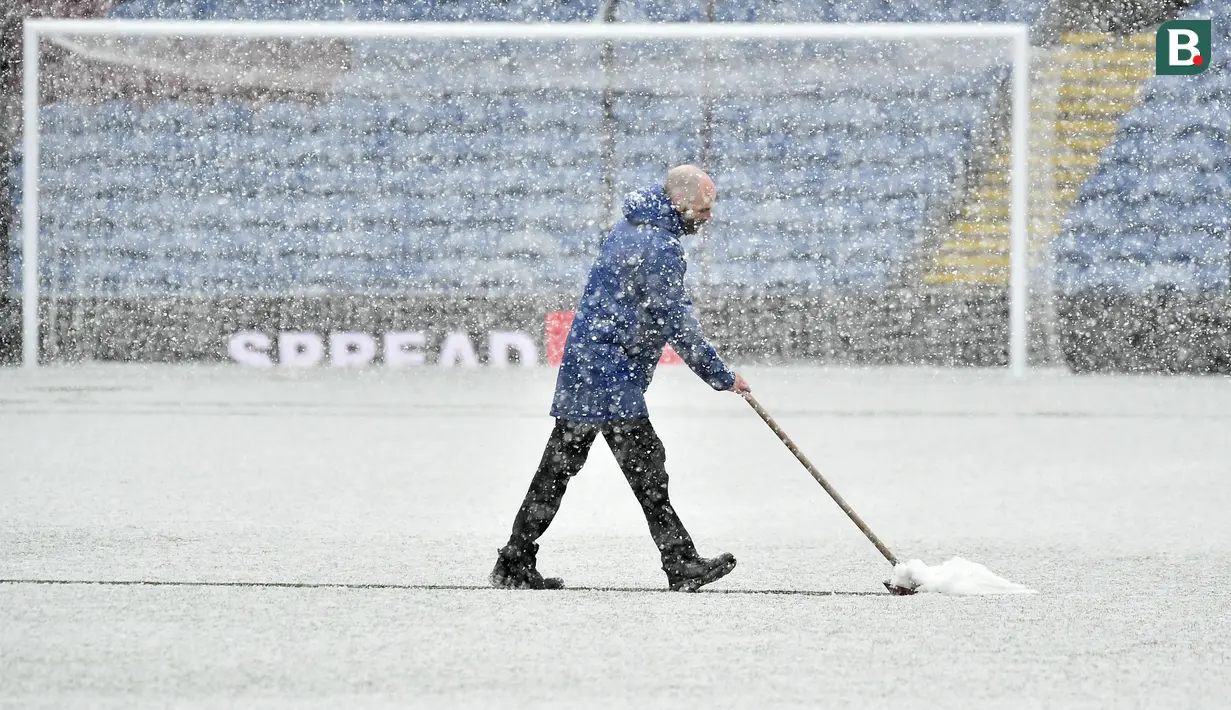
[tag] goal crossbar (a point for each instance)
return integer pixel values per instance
(1016, 33)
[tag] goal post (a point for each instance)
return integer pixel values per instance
(1014, 36)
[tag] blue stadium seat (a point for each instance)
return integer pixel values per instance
(862, 275)
(282, 115)
(736, 274)
(565, 274)
(806, 275)
(63, 117)
(166, 117)
(1197, 245)
(1214, 276)
(225, 116)
(1212, 216)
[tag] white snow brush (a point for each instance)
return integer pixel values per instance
(957, 576)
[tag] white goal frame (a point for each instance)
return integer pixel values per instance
(1018, 34)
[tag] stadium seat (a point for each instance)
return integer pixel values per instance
(734, 274)
(64, 117)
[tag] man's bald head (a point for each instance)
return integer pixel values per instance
(692, 192)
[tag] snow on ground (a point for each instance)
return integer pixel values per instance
(322, 539)
(958, 577)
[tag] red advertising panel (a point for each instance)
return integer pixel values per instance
(558, 324)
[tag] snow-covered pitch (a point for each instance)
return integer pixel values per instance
(213, 536)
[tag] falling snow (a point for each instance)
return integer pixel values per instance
(300, 300)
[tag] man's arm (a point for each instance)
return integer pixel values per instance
(669, 302)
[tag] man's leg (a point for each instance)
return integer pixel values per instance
(643, 459)
(565, 454)
(563, 457)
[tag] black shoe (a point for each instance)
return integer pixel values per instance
(691, 575)
(515, 569)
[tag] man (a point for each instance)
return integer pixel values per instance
(634, 303)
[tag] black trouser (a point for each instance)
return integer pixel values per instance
(642, 458)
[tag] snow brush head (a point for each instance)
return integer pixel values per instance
(897, 591)
(956, 577)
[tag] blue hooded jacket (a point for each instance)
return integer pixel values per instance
(634, 303)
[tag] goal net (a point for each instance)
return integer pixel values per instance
(417, 193)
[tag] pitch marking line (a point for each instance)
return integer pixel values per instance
(414, 587)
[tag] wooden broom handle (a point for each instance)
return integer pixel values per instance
(837, 498)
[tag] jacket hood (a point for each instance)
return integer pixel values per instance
(650, 205)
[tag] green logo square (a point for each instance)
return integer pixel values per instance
(1182, 47)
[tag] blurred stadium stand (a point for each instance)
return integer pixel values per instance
(870, 163)
(1144, 256)
(284, 177)
(1088, 81)
(1157, 210)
